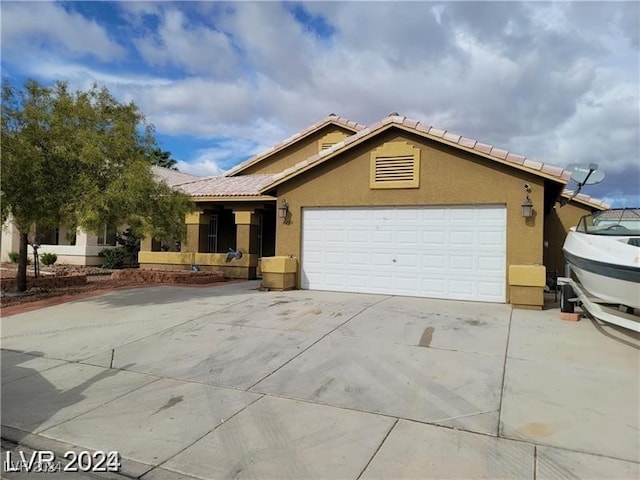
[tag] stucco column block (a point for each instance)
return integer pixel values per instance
(279, 273)
(196, 218)
(246, 217)
(527, 275)
(527, 286)
(84, 239)
(528, 298)
(192, 243)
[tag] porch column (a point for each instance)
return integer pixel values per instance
(247, 225)
(195, 232)
(145, 244)
(84, 239)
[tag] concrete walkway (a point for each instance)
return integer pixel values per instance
(230, 382)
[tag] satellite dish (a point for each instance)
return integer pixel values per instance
(585, 174)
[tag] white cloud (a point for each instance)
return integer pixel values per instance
(557, 82)
(27, 25)
(196, 48)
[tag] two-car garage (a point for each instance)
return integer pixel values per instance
(453, 252)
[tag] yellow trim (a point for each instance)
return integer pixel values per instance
(196, 218)
(168, 258)
(527, 275)
(331, 138)
(413, 131)
(278, 265)
(397, 150)
(243, 218)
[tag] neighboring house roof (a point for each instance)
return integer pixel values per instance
(332, 118)
(586, 200)
(221, 186)
(172, 177)
(442, 136)
(620, 214)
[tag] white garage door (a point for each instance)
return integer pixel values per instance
(453, 252)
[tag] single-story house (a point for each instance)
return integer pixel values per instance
(75, 247)
(397, 207)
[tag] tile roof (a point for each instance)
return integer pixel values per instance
(586, 199)
(221, 186)
(332, 118)
(443, 136)
(620, 214)
(172, 177)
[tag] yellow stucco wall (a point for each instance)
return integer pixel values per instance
(447, 177)
(527, 275)
(300, 150)
(558, 223)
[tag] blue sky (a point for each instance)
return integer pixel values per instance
(558, 82)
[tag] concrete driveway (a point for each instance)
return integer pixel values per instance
(231, 382)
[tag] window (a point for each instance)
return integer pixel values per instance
(395, 165)
(47, 236)
(212, 235)
(107, 236)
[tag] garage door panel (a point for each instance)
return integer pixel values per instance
(435, 238)
(495, 215)
(407, 238)
(491, 264)
(461, 238)
(456, 252)
(490, 239)
(460, 287)
(462, 215)
(382, 237)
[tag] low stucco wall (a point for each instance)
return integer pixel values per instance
(244, 268)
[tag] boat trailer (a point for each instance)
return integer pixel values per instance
(573, 294)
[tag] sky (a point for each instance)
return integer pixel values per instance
(221, 82)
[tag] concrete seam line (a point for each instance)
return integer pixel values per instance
(34, 442)
(260, 397)
(504, 374)
(317, 341)
(102, 404)
(160, 331)
(535, 462)
(378, 449)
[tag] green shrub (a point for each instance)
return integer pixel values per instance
(14, 257)
(113, 257)
(48, 258)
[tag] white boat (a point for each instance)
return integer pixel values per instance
(603, 251)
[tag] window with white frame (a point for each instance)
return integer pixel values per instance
(107, 236)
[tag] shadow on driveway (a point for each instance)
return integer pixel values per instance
(28, 399)
(167, 294)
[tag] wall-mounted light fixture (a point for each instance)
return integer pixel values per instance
(283, 210)
(527, 208)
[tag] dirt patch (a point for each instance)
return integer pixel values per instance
(427, 336)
